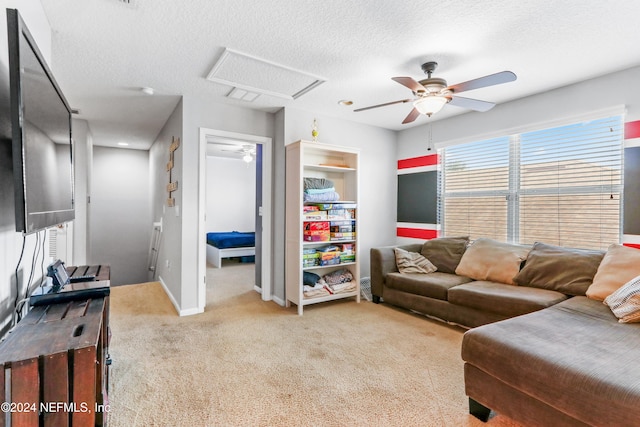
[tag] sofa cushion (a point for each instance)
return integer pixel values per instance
(445, 252)
(561, 269)
(573, 356)
(488, 259)
(500, 298)
(434, 285)
(412, 262)
(619, 265)
(625, 302)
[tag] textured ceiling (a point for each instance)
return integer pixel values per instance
(104, 51)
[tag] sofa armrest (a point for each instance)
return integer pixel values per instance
(383, 262)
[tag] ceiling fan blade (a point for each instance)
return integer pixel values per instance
(402, 101)
(490, 80)
(471, 104)
(411, 117)
(410, 83)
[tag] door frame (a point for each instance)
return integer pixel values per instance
(267, 149)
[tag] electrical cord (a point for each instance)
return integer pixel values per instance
(24, 241)
(43, 277)
(15, 302)
(34, 263)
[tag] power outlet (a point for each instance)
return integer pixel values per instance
(167, 263)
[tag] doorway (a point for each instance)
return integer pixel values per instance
(263, 157)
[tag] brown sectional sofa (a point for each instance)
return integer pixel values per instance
(451, 297)
(539, 350)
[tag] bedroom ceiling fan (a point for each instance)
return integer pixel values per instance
(248, 152)
(432, 93)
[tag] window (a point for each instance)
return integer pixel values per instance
(562, 186)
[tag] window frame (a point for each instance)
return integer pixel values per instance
(515, 191)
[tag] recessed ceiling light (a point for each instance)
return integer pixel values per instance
(123, 144)
(147, 90)
(345, 102)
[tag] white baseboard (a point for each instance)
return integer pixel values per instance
(179, 310)
(279, 301)
(258, 289)
(190, 312)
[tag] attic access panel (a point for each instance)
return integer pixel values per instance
(248, 72)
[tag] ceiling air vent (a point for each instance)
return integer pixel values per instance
(253, 74)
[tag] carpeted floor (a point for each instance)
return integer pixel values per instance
(245, 362)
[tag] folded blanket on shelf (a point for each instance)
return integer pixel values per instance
(319, 190)
(337, 277)
(315, 291)
(343, 287)
(331, 196)
(317, 183)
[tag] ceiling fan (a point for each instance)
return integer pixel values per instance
(432, 93)
(248, 151)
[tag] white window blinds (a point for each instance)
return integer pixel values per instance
(476, 188)
(562, 186)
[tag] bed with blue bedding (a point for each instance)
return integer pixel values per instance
(228, 245)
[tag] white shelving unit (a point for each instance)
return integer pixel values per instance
(305, 159)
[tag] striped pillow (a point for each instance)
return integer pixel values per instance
(625, 302)
(413, 262)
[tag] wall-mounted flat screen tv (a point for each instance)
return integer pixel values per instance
(41, 135)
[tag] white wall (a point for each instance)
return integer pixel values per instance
(120, 219)
(169, 266)
(231, 194)
(181, 223)
(82, 155)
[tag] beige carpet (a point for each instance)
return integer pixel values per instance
(245, 362)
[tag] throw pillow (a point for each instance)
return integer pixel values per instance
(619, 265)
(625, 302)
(488, 259)
(445, 252)
(412, 262)
(566, 270)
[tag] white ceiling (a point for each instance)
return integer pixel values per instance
(104, 51)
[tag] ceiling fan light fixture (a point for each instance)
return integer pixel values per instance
(247, 158)
(430, 104)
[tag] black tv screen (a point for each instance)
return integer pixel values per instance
(41, 135)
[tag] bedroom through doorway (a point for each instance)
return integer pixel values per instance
(235, 220)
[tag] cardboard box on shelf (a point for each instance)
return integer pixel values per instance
(331, 261)
(343, 236)
(336, 214)
(315, 216)
(316, 231)
(310, 262)
(347, 248)
(344, 258)
(329, 206)
(345, 226)
(329, 255)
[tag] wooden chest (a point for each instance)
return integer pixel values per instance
(54, 366)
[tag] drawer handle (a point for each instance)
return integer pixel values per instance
(78, 330)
